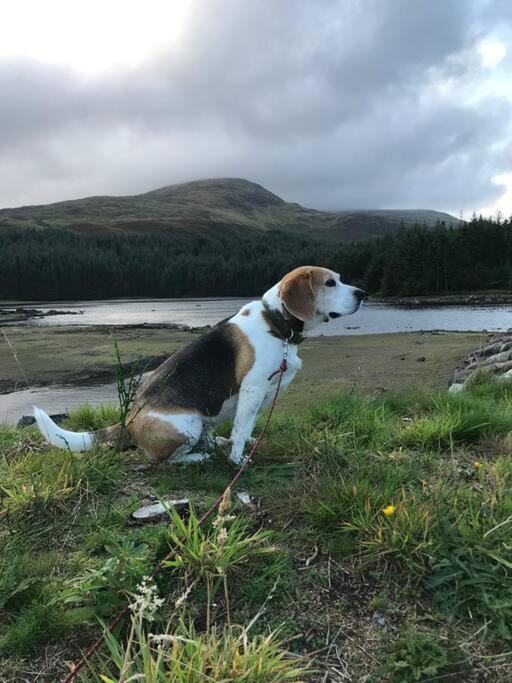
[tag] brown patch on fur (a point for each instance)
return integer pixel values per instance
(157, 439)
(246, 312)
(298, 289)
(244, 353)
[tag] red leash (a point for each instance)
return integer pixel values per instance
(97, 643)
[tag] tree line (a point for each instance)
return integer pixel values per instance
(439, 260)
(56, 264)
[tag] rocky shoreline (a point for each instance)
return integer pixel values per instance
(478, 299)
(494, 358)
(19, 314)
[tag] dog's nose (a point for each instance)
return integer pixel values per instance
(360, 294)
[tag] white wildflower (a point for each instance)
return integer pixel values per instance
(146, 600)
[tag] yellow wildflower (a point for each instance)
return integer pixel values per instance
(477, 465)
(389, 510)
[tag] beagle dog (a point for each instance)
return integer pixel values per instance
(226, 374)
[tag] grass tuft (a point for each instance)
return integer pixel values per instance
(184, 656)
(90, 418)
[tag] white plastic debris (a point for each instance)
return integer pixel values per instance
(149, 513)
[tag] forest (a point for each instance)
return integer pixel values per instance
(56, 264)
(440, 260)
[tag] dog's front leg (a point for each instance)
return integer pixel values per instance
(249, 404)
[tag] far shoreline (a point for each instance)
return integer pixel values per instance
(34, 306)
(426, 300)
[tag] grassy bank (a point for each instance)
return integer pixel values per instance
(379, 548)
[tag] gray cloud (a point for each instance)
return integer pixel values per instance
(330, 103)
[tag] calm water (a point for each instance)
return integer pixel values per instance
(372, 319)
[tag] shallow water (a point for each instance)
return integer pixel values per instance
(372, 319)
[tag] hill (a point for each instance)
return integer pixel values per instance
(202, 206)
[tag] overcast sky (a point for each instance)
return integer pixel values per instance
(332, 104)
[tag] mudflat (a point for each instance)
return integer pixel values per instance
(380, 362)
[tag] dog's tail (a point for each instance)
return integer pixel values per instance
(75, 441)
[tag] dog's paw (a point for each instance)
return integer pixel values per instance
(221, 442)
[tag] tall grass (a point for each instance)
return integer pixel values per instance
(89, 418)
(183, 656)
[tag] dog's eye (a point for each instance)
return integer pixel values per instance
(330, 283)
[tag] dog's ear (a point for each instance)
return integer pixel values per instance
(298, 295)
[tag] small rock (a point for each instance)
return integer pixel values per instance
(380, 620)
(245, 499)
(26, 421)
(420, 359)
(455, 388)
(29, 420)
(154, 513)
(143, 467)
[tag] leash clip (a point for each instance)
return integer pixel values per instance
(284, 361)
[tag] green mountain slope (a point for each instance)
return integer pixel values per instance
(199, 207)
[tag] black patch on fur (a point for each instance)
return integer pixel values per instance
(200, 376)
(290, 327)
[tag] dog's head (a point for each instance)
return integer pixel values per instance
(314, 295)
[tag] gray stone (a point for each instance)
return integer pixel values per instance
(455, 388)
(245, 499)
(26, 421)
(498, 358)
(380, 620)
(29, 420)
(158, 511)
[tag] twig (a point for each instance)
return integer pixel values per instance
(311, 559)
(329, 652)
(292, 639)
(262, 608)
(15, 357)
